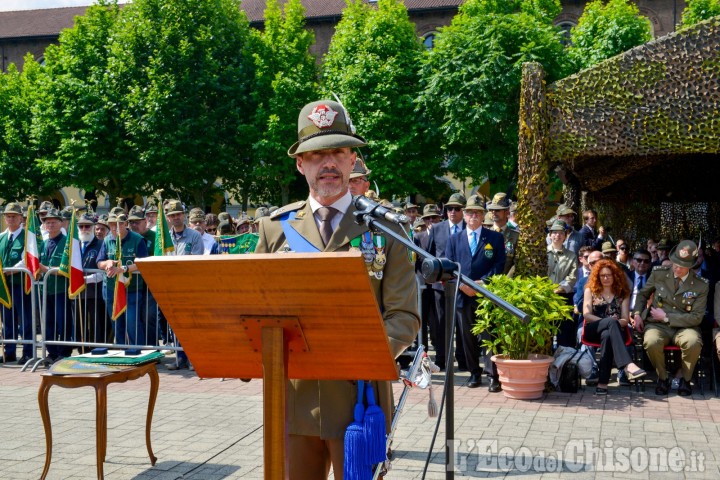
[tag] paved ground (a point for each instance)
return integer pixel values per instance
(212, 429)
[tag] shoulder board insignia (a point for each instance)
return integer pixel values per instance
(287, 208)
(660, 268)
(703, 279)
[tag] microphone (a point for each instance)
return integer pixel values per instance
(370, 207)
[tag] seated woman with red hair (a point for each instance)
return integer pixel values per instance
(606, 311)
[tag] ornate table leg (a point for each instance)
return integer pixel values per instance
(154, 384)
(45, 414)
(101, 426)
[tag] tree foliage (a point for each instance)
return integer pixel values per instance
(20, 174)
(186, 72)
(605, 30)
(287, 79)
(471, 82)
(373, 67)
(77, 126)
(699, 10)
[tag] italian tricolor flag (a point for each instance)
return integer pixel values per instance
(71, 263)
(122, 281)
(33, 239)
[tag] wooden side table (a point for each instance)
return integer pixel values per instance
(99, 381)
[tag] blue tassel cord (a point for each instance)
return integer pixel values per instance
(374, 425)
(356, 466)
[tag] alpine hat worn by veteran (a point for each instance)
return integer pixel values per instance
(564, 210)
(499, 202)
(608, 247)
(136, 213)
(86, 219)
(475, 202)
(456, 200)
(117, 217)
(13, 207)
(685, 254)
(53, 213)
(323, 125)
(359, 170)
(558, 226)
(430, 210)
(174, 206)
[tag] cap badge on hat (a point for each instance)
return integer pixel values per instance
(684, 252)
(323, 116)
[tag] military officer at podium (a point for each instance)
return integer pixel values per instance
(320, 411)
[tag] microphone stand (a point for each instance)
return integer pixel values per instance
(441, 269)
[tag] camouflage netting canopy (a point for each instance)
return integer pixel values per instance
(640, 134)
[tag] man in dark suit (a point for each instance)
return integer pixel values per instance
(427, 297)
(439, 235)
(589, 236)
(481, 254)
(320, 411)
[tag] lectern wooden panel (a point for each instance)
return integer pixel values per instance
(217, 306)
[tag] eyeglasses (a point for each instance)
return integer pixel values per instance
(642, 260)
(454, 209)
(211, 230)
(622, 247)
(474, 213)
(593, 262)
(606, 275)
(84, 226)
(585, 257)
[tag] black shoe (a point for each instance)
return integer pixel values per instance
(179, 366)
(685, 389)
(8, 359)
(23, 360)
(495, 385)
(662, 387)
(475, 381)
(601, 391)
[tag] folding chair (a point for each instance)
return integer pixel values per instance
(628, 341)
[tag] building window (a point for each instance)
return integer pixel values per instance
(565, 27)
(429, 40)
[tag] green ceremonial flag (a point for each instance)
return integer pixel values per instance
(233, 244)
(163, 242)
(5, 298)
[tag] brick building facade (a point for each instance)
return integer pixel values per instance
(33, 30)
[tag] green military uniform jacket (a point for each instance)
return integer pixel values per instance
(511, 237)
(562, 268)
(684, 308)
(11, 252)
(325, 408)
(55, 283)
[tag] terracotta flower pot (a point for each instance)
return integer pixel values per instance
(523, 379)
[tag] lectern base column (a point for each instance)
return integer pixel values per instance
(275, 377)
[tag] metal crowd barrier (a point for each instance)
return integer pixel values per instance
(84, 323)
(18, 332)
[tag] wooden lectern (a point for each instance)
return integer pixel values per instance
(274, 316)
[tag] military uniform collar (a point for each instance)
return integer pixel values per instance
(341, 205)
(682, 279)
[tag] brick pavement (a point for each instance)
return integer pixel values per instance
(212, 429)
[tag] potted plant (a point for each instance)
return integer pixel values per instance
(517, 345)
